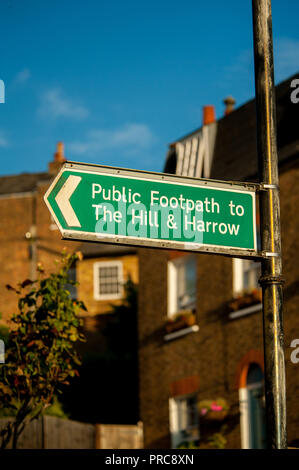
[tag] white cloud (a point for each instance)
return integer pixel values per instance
(286, 57)
(3, 140)
(130, 138)
(23, 76)
(54, 104)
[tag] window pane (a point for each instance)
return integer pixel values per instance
(109, 281)
(71, 287)
(186, 276)
(192, 412)
(102, 289)
(251, 274)
(246, 280)
(183, 420)
(255, 374)
(187, 413)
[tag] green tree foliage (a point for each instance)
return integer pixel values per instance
(56, 409)
(4, 333)
(40, 353)
(218, 439)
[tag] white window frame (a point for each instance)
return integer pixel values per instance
(172, 301)
(238, 276)
(96, 280)
(245, 415)
(174, 421)
(244, 418)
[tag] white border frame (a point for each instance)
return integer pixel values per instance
(238, 270)
(96, 280)
(174, 419)
(245, 414)
(237, 276)
(172, 307)
(244, 418)
(239, 187)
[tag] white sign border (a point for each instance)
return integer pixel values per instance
(231, 186)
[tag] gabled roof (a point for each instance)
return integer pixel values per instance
(235, 153)
(23, 183)
(235, 147)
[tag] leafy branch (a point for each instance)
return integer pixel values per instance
(40, 353)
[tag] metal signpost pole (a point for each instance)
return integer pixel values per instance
(271, 279)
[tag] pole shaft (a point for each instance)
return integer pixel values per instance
(271, 279)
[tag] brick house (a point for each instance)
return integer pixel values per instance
(200, 320)
(102, 274)
(29, 236)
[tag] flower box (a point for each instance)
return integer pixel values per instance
(246, 300)
(213, 410)
(216, 415)
(181, 320)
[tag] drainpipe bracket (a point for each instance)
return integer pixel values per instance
(266, 186)
(269, 254)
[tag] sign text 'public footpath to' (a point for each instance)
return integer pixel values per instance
(104, 204)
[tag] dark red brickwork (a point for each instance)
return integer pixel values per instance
(222, 348)
(18, 213)
(184, 386)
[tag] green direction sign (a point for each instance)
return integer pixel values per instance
(113, 205)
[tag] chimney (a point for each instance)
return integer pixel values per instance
(229, 102)
(208, 115)
(59, 159)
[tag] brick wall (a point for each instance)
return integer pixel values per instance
(50, 244)
(86, 281)
(18, 213)
(15, 216)
(290, 249)
(221, 346)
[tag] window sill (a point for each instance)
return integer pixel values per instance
(108, 297)
(245, 311)
(182, 332)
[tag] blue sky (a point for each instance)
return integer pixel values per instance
(116, 81)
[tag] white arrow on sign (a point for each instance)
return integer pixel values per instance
(63, 200)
